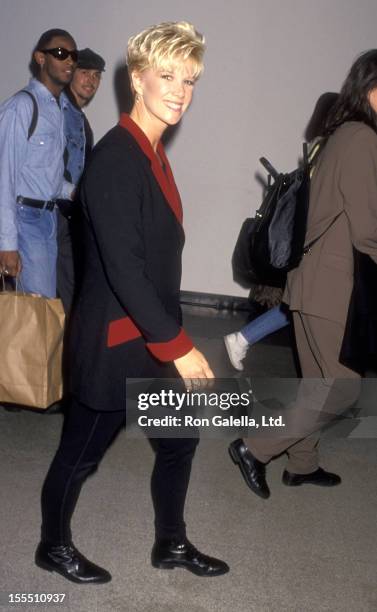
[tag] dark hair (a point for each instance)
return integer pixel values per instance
(317, 121)
(47, 37)
(352, 103)
(44, 42)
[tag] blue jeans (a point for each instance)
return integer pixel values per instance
(267, 323)
(37, 247)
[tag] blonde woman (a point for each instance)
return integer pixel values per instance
(128, 322)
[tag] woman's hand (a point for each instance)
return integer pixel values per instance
(192, 367)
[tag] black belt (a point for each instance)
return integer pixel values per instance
(45, 204)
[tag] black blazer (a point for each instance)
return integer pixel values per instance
(127, 320)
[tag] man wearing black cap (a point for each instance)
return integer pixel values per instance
(79, 93)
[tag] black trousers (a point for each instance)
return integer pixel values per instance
(86, 436)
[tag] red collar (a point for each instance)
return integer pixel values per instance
(164, 179)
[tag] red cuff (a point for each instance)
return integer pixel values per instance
(173, 349)
(121, 331)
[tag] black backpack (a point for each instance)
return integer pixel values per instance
(272, 242)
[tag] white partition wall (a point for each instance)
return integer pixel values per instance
(266, 64)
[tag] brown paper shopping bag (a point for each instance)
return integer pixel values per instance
(31, 342)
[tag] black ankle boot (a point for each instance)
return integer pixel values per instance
(168, 554)
(70, 563)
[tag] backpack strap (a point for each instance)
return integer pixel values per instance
(269, 167)
(316, 148)
(34, 118)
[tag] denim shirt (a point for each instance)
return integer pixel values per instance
(31, 168)
(75, 138)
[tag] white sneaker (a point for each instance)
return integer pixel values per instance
(236, 346)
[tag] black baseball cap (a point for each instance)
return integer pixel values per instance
(89, 60)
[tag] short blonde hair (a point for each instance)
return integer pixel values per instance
(161, 46)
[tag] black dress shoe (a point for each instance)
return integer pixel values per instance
(70, 563)
(319, 477)
(253, 471)
(168, 554)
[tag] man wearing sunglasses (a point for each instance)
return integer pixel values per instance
(76, 96)
(32, 143)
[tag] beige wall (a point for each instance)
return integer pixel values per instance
(266, 64)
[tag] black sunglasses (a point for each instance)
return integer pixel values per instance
(60, 53)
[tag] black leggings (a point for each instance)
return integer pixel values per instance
(86, 436)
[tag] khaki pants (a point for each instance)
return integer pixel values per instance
(327, 389)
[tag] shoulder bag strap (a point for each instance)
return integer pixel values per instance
(34, 118)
